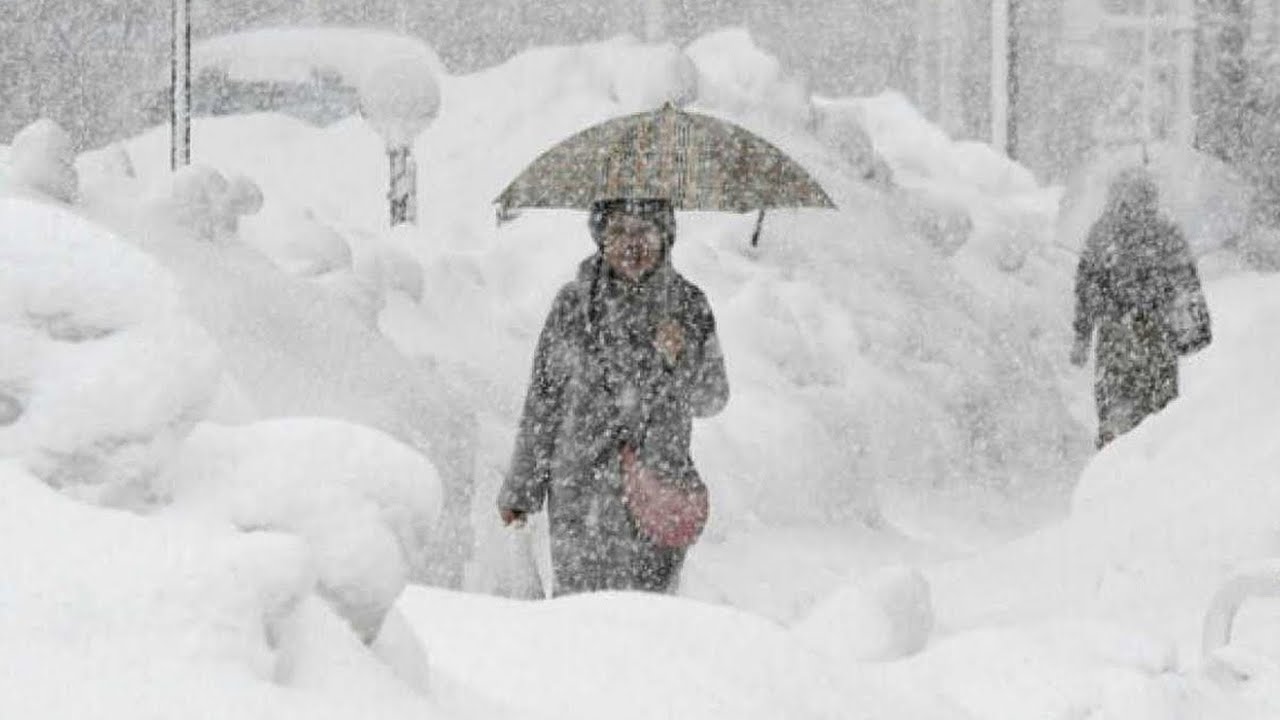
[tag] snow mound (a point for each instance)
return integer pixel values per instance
(298, 244)
(161, 615)
(920, 152)
(1168, 513)
(646, 76)
(207, 204)
(638, 656)
(365, 504)
(401, 269)
(884, 617)
(42, 160)
(103, 372)
(106, 173)
(738, 78)
(290, 348)
(296, 54)
(839, 125)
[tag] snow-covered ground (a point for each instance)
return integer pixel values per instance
(238, 415)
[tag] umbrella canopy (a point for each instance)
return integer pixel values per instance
(695, 161)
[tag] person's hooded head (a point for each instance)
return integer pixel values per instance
(1133, 196)
(634, 235)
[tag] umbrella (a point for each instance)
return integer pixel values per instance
(696, 161)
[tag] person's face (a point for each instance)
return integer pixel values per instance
(632, 246)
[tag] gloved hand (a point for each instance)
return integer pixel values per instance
(1080, 352)
(670, 341)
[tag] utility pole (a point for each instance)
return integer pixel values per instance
(1004, 76)
(1184, 30)
(1147, 74)
(180, 87)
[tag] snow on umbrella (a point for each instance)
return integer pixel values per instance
(696, 161)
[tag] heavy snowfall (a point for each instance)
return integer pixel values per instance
(261, 379)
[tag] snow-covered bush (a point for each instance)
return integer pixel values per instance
(364, 503)
(42, 160)
(102, 370)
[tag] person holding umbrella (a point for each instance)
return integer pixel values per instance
(629, 355)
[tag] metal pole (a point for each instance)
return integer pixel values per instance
(1185, 46)
(1000, 75)
(180, 86)
(1147, 16)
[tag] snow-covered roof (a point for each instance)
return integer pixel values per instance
(292, 54)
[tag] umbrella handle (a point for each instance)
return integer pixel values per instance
(755, 236)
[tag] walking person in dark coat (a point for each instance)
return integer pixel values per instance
(1137, 284)
(627, 358)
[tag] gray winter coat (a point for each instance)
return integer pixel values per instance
(1137, 284)
(598, 382)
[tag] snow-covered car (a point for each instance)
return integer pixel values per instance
(309, 73)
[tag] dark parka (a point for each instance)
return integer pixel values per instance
(598, 382)
(1137, 284)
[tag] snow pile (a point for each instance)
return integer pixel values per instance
(739, 79)
(205, 203)
(126, 615)
(298, 244)
(291, 348)
(639, 656)
(884, 617)
(652, 75)
(305, 247)
(843, 132)
(103, 371)
(223, 594)
(364, 503)
(961, 194)
(105, 173)
(1162, 519)
(921, 153)
(42, 160)
(285, 54)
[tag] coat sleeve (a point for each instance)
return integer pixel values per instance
(705, 385)
(525, 487)
(1089, 291)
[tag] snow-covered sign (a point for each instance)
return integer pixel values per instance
(399, 97)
